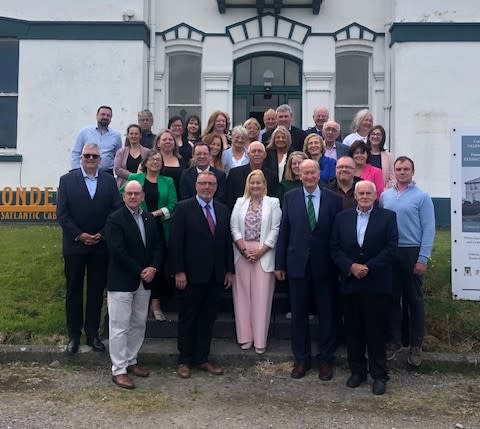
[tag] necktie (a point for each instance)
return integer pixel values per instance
(211, 222)
(311, 212)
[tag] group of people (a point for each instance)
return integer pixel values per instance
(341, 222)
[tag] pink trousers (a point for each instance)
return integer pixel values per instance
(252, 299)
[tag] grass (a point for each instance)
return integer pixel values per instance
(33, 292)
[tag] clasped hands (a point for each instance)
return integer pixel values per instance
(359, 270)
(89, 239)
(253, 255)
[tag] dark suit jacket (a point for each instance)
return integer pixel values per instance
(298, 137)
(192, 247)
(128, 255)
(377, 251)
(237, 177)
(297, 244)
(189, 177)
(341, 149)
(271, 161)
(77, 212)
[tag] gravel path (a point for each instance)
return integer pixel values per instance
(261, 396)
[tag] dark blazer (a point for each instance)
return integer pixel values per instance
(192, 247)
(189, 177)
(297, 244)
(237, 177)
(77, 212)
(271, 161)
(297, 134)
(377, 251)
(128, 255)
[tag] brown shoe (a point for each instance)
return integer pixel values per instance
(298, 371)
(138, 370)
(123, 381)
(325, 371)
(210, 368)
(183, 371)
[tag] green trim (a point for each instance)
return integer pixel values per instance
(401, 32)
(74, 30)
(442, 211)
(11, 158)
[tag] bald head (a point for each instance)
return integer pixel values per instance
(256, 154)
(330, 132)
(133, 195)
(310, 174)
(320, 116)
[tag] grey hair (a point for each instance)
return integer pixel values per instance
(91, 145)
(284, 108)
(241, 131)
(372, 185)
(359, 117)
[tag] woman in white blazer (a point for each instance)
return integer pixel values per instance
(255, 222)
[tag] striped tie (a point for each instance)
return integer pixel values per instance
(311, 212)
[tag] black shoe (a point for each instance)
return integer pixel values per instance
(379, 386)
(355, 380)
(73, 345)
(96, 344)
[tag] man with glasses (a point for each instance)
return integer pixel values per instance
(331, 134)
(202, 260)
(344, 182)
(107, 139)
(86, 196)
(135, 256)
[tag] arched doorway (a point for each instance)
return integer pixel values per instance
(266, 80)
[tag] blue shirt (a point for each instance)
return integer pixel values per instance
(315, 200)
(109, 143)
(203, 204)
(362, 223)
(415, 218)
(90, 182)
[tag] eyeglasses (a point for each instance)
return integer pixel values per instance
(376, 135)
(344, 167)
(206, 183)
(133, 194)
(155, 159)
(91, 155)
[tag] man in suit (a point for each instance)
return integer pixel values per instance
(334, 148)
(135, 249)
(201, 162)
(320, 116)
(86, 196)
(285, 117)
(303, 256)
(145, 120)
(238, 176)
(202, 261)
(364, 241)
(270, 121)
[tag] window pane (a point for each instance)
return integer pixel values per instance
(296, 105)
(184, 79)
(267, 69)
(242, 73)
(351, 79)
(344, 116)
(9, 68)
(291, 73)
(239, 111)
(184, 111)
(8, 122)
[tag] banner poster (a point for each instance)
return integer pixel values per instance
(28, 205)
(465, 215)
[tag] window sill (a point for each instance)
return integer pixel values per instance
(11, 158)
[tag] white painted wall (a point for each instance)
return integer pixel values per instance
(434, 90)
(61, 10)
(435, 10)
(61, 85)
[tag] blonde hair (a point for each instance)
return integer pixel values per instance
(258, 173)
(288, 168)
(280, 130)
(307, 141)
(253, 121)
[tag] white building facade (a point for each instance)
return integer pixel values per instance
(412, 63)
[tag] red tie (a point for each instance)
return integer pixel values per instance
(211, 222)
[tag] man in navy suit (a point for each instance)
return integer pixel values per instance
(135, 249)
(303, 255)
(86, 196)
(201, 162)
(364, 242)
(201, 252)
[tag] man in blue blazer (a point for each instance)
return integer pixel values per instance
(364, 242)
(303, 256)
(86, 196)
(201, 162)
